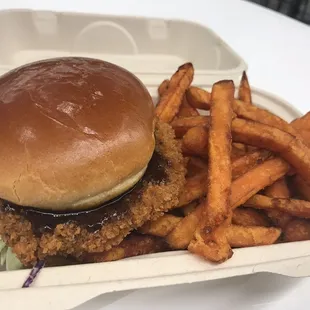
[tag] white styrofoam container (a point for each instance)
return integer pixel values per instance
(151, 49)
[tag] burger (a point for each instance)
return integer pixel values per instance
(83, 161)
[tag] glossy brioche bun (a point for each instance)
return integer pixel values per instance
(74, 132)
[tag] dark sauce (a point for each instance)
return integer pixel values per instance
(94, 219)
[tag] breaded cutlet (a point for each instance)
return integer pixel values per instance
(74, 240)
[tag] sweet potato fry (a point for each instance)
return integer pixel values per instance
(241, 236)
(301, 187)
(196, 141)
(297, 230)
(242, 189)
(278, 189)
(196, 166)
(209, 239)
(256, 179)
(195, 187)
(279, 218)
(191, 207)
(244, 163)
(236, 153)
(305, 135)
(163, 87)
(290, 148)
(254, 113)
(249, 217)
(198, 98)
(244, 148)
(212, 244)
(169, 105)
(182, 125)
(186, 110)
(240, 146)
(251, 180)
(294, 207)
(133, 245)
(302, 126)
(237, 235)
(219, 167)
(160, 227)
(302, 123)
(244, 92)
(180, 237)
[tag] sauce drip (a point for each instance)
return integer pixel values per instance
(93, 219)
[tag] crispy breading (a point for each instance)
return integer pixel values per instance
(132, 245)
(73, 239)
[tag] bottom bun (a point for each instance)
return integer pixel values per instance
(101, 198)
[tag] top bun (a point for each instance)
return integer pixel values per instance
(74, 133)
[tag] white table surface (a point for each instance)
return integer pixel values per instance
(277, 50)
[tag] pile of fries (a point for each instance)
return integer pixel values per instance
(248, 173)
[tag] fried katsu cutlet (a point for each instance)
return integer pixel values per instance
(35, 235)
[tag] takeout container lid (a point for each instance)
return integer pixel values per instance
(152, 49)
